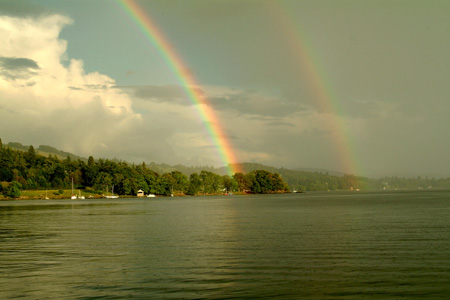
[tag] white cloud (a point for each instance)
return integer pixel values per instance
(54, 101)
(59, 104)
(47, 97)
(50, 99)
(46, 102)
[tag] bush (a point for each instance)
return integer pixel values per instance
(13, 190)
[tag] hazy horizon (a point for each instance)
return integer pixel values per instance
(306, 169)
(332, 85)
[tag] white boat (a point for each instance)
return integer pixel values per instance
(46, 197)
(73, 195)
(112, 194)
(79, 195)
(151, 195)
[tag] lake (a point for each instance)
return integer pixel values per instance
(335, 245)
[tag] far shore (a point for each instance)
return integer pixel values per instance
(66, 195)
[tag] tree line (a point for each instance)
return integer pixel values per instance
(323, 181)
(27, 170)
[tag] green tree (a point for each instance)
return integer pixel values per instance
(30, 156)
(91, 161)
(90, 172)
(163, 186)
(103, 182)
(152, 180)
(194, 184)
(13, 190)
(207, 182)
(181, 182)
(242, 181)
(229, 183)
(217, 183)
(125, 187)
(5, 173)
(262, 181)
(141, 184)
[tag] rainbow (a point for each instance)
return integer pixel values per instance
(320, 86)
(187, 80)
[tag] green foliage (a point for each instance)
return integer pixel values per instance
(180, 183)
(242, 182)
(27, 169)
(194, 184)
(13, 190)
(229, 183)
(262, 181)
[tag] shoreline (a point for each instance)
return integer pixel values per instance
(88, 196)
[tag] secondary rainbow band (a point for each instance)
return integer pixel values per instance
(320, 86)
(187, 80)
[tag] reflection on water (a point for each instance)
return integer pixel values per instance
(383, 245)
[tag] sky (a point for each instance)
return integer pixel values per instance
(359, 87)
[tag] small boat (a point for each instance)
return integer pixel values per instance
(79, 195)
(112, 196)
(151, 195)
(46, 197)
(73, 195)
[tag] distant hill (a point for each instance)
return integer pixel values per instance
(306, 179)
(293, 177)
(249, 167)
(323, 171)
(165, 168)
(46, 151)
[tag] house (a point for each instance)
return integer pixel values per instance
(140, 193)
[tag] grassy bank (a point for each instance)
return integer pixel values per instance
(55, 194)
(88, 194)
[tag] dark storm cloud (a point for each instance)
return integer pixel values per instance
(252, 103)
(14, 63)
(159, 94)
(17, 68)
(96, 86)
(237, 101)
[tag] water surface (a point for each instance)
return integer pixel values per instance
(383, 245)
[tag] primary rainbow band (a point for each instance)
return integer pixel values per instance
(187, 80)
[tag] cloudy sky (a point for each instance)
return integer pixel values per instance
(353, 86)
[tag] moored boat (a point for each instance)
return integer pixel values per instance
(73, 197)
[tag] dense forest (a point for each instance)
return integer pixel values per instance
(27, 170)
(23, 168)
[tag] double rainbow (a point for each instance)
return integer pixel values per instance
(216, 132)
(306, 60)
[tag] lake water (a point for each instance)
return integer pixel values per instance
(353, 245)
